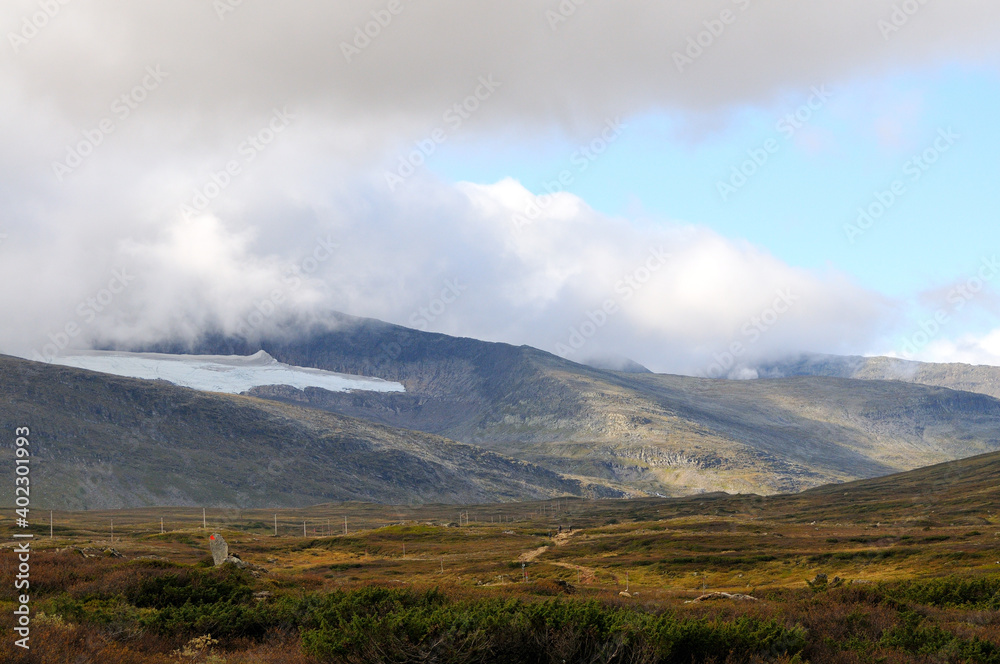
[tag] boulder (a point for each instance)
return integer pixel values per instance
(220, 550)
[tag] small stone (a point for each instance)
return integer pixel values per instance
(236, 560)
(220, 550)
(740, 597)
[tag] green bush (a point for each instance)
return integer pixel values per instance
(915, 637)
(222, 620)
(373, 624)
(982, 593)
(192, 586)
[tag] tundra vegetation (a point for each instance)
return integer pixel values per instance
(857, 576)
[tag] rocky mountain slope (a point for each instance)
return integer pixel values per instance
(100, 441)
(647, 433)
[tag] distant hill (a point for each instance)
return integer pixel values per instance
(964, 491)
(101, 441)
(647, 433)
(983, 379)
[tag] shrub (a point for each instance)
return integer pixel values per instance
(372, 624)
(981, 593)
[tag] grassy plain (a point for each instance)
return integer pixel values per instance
(912, 575)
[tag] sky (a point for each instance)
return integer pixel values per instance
(696, 186)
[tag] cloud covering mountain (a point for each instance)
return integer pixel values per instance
(172, 168)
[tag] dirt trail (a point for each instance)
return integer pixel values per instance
(558, 540)
(528, 556)
(587, 574)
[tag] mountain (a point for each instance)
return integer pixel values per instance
(636, 432)
(102, 441)
(983, 379)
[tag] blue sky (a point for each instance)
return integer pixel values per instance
(838, 156)
(797, 203)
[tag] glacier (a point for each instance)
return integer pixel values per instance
(232, 374)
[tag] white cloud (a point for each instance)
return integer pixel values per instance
(530, 285)
(967, 349)
(322, 176)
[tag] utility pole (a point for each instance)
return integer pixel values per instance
(303, 527)
(275, 525)
(161, 525)
(50, 524)
(203, 524)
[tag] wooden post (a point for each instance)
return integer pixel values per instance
(161, 525)
(303, 527)
(203, 525)
(50, 524)
(345, 524)
(275, 525)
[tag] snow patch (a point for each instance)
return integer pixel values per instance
(232, 374)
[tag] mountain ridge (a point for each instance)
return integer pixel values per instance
(106, 441)
(656, 433)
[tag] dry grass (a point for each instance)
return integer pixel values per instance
(663, 552)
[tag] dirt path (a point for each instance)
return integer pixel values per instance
(528, 556)
(562, 538)
(558, 540)
(587, 574)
